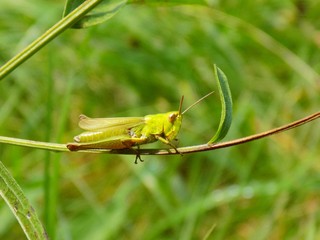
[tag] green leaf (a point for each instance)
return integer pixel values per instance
(71, 5)
(103, 12)
(20, 206)
(226, 105)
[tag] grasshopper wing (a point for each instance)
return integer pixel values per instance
(93, 124)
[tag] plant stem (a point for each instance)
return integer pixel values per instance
(210, 147)
(183, 150)
(34, 144)
(49, 35)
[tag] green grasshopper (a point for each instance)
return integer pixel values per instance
(128, 132)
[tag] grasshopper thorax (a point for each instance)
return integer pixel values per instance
(172, 124)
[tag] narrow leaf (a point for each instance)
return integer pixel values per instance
(20, 206)
(226, 105)
(101, 13)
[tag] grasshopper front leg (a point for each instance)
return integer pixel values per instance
(167, 142)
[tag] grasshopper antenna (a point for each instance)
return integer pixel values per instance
(188, 108)
(180, 105)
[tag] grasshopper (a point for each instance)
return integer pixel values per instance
(128, 132)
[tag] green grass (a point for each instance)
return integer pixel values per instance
(141, 62)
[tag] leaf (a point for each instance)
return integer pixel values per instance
(226, 105)
(107, 9)
(20, 206)
(103, 12)
(71, 5)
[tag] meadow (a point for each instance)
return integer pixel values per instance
(139, 62)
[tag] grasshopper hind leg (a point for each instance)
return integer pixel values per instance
(138, 156)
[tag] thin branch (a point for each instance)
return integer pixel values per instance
(183, 150)
(58, 147)
(209, 147)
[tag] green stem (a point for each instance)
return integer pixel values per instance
(34, 144)
(52, 33)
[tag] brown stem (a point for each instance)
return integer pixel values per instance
(208, 147)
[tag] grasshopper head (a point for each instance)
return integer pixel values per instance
(172, 125)
(174, 120)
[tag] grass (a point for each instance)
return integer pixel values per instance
(141, 62)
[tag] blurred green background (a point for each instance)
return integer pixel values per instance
(141, 62)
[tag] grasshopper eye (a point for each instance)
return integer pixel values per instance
(172, 117)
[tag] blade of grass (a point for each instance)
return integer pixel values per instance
(20, 206)
(51, 167)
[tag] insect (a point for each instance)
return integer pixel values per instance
(129, 132)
